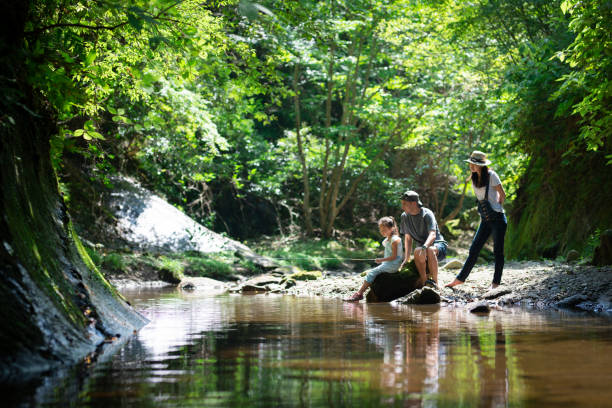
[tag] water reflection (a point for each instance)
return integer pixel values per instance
(287, 351)
(449, 355)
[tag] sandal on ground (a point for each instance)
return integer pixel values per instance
(431, 283)
(355, 298)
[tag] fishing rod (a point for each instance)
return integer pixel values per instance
(339, 259)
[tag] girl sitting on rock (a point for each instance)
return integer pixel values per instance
(393, 256)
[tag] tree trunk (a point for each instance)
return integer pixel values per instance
(302, 156)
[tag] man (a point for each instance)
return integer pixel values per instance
(419, 224)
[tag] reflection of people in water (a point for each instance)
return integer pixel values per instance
(493, 369)
(430, 355)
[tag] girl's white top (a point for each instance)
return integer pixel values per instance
(389, 250)
(493, 193)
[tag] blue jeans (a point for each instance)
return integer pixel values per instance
(388, 267)
(485, 229)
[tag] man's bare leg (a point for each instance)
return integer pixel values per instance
(420, 261)
(432, 262)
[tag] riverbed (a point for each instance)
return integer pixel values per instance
(277, 350)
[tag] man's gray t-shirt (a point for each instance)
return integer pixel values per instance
(418, 226)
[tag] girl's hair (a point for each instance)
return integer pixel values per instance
(389, 222)
(483, 180)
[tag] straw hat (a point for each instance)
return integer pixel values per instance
(478, 158)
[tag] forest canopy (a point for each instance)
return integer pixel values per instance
(315, 115)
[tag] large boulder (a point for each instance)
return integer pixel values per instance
(390, 286)
(147, 222)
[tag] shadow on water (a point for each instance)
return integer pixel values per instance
(287, 351)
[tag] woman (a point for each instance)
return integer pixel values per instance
(491, 196)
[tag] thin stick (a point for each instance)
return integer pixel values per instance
(343, 259)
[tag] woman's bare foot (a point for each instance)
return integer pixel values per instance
(453, 283)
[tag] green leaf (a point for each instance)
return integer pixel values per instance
(565, 6)
(134, 21)
(91, 56)
(95, 135)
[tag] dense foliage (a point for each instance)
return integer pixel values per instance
(277, 116)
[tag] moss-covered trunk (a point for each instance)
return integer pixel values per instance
(54, 308)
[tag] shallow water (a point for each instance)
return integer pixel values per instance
(268, 351)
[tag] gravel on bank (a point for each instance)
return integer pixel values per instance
(540, 285)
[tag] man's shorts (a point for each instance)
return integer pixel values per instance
(441, 246)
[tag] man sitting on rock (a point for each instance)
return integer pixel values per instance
(419, 224)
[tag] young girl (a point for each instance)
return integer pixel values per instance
(393, 256)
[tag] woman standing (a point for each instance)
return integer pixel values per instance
(491, 196)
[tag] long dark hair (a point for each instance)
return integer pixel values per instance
(389, 222)
(484, 179)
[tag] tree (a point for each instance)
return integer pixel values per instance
(350, 101)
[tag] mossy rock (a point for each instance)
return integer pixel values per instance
(170, 276)
(572, 255)
(390, 286)
(305, 275)
(288, 283)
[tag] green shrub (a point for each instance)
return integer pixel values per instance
(206, 267)
(170, 270)
(317, 253)
(113, 262)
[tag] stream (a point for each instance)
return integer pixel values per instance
(272, 350)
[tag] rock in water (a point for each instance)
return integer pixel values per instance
(423, 296)
(571, 301)
(497, 292)
(479, 307)
(390, 286)
(203, 285)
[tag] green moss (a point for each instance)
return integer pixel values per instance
(560, 207)
(95, 257)
(95, 272)
(306, 275)
(170, 270)
(206, 267)
(36, 246)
